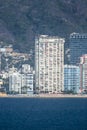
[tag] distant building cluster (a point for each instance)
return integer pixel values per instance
(78, 57)
(21, 82)
(50, 74)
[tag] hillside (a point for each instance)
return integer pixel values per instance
(21, 20)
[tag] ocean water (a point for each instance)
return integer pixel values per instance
(43, 113)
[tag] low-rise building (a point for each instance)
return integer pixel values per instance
(1, 82)
(25, 68)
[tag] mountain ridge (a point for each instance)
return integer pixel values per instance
(22, 20)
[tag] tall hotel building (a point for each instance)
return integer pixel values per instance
(83, 69)
(78, 47)
(49, 64)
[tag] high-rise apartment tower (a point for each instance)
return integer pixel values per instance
(49, 64)
(83, 70)
(78, 47)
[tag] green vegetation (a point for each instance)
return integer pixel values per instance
(21, 20)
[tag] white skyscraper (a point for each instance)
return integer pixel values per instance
(83, 71)
(49, 64)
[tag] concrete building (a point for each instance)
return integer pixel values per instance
(1, 83)
(78, 47)
(27, 83)
(26, 68)
(21, 83)
(49, 64)
(27, 79)
(71, 78)
(6, 50)
(83, 69)
(15, 82)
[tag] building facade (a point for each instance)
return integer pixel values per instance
(21, 83)
(71, 78)
(83, 69)
(27, 83)
(15, 82)
(26, 68)
(49, 64)
(78, 45)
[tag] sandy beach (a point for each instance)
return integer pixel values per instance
(43, 96)
(62, 96)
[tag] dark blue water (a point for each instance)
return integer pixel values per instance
(43, 114)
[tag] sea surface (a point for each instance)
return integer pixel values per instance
(43, 113)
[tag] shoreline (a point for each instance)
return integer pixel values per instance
(44, 96)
